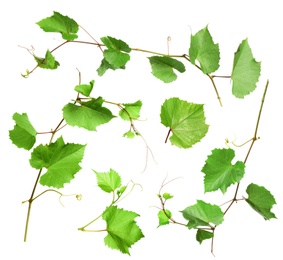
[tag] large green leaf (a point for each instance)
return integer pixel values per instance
(61, 161)
(122, 229)
(219, 171)
(23, 135)
(246, 71)
(185, 120)
(204, 50)
(131, 109)
(60, 23)
(203, 214)
(48, 62)
(261, 200)
(88, 115)
(163, 68)
(108, 181)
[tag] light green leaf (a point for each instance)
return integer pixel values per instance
(48, 62)
(108, 181)
(185, 120)
(60, 23)
(167, 196)
(246, 71)
(129, 134)
(204, 50)
(104, 66)
(85, 89)
(61, 161)
(132, 110)
(122, 229)
(261, 200)
(163, 68)
(23, 135)
(164, 218)
(88, 115)
(203, 235)
(202, 214)
(219, 171)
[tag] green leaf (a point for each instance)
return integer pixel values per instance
(202, 214)
(204, 50)
(60, 23)
(261, 200)
(121, 190)
(185, 120)
(203, 235)
(219, 171)
(164, 218)
(48, 62)
(122, 229)
(23, 135)
(117, 51)
(61, 161)
(162, 68)
(108, 181)
(104, 66)
(85, 89)
(132, 110)
(88, 115)
(167, 196)
(129, 134)
(246, 71)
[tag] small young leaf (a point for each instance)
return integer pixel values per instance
(202, 214)
(246, 71)
(48, 62)
(167, 196)
(85, 89)
(122, 229)
(219, 172)
(88, 115)
(129, 134)
(121, 190)
(203, 235)
(164, 218)
(132, 110)
(61, 161)
(104, 66)
(108, 181)
(185, 120)
(162, 68)
(60, 23)
(23, 135)
(204, 50)
(117, 51)
(261, 200)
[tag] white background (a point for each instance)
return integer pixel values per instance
(146, 24)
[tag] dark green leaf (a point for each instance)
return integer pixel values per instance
(219, 171)
(261, 200)
(85, 89)
(131, 110)
(108, 181)
(164, 218)
(88, 115)
(23, 135)
(203, 235)
(60, 23)
(204, 50)
(61, 161)
(246, 71)
(122, 229)
(185, 120)
(163, 68)
(48, 62)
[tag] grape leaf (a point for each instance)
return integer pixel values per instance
(117, 51)
(48, 62)
(202, 214)
(131, 109)
(164, 218)
(186, 121)
(162, 68)
(88, 115)
(122, 229)
(203, 49)
(129, 134)
(104, 66)
(61, 161)
(261, 200)
(85, 89)
(219, 172)
(246, 71)
(108, 181)
(60, 23)
(203, 235)
(167, 196)
(23, 135)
